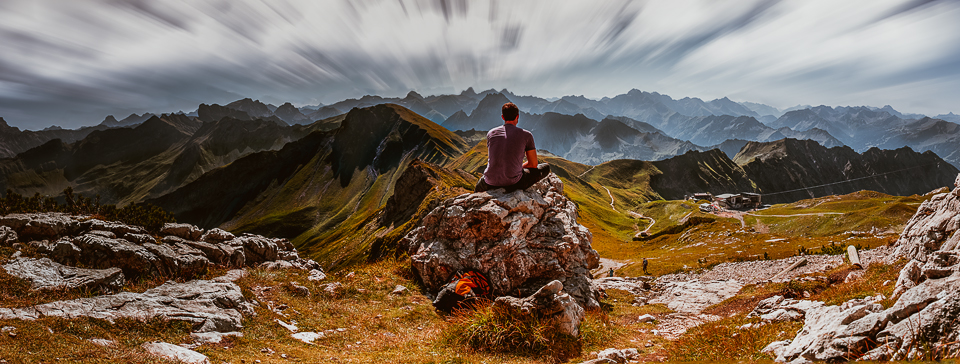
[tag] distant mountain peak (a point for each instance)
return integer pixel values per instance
(469, 92)
(6, 127)
(413, 95)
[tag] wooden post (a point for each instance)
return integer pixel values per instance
(854, 256)
(799, 263)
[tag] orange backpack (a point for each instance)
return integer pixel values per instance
(472, 282)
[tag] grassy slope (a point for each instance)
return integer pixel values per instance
(336, 224)
(843, 220)
(125, 182)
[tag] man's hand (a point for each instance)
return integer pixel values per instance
(531, 159)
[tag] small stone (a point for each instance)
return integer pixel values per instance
(647, 318)
(399, 290)
(299, 290)
(316, 275)
(350, 275)
(333, 289)
(103, 342)
(309, 337)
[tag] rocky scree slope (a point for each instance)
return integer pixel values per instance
(922, 321)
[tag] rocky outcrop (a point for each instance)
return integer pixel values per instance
(7, 236)
(830, 333)
(41, 226)
(175, 353)
(520, 240)
(44, 274)
(694, 296)
(780, 309)
(922, 321)
(183, 251)
(210, 305)
(549, 305)
(932, 232)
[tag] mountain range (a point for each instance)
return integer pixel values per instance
(683, 124)
(348, 187)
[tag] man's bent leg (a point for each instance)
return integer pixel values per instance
(481, 186)
(530, 177)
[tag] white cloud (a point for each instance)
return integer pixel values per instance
(78, 60)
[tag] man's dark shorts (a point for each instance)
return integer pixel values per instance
(529, 178)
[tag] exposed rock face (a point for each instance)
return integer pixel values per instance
(778, 309)
(45, 274)
(931, 230)
(833, 332)
(183, 251)
(183, 231)
(214, 305)
(519, 240)
(694, 296)
(41, 226)
(548, 303)
(7, 236)
(924, 317)
(175, 353)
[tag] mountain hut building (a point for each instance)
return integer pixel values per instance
(742, 201)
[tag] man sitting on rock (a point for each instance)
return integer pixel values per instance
(506, 146)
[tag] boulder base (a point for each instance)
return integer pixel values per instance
(548, 303)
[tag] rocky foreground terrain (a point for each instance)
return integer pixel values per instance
(111, 252)
(535, 254)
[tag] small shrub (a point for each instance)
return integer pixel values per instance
(484, 327)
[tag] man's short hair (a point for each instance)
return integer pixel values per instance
(510, 111)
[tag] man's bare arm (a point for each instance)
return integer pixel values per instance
(531, 159)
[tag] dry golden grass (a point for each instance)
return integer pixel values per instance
(724, 341)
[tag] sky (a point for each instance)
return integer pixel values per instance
(72, 62)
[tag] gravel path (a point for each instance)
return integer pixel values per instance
(762, 270)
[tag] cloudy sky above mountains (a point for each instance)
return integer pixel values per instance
(70, 63)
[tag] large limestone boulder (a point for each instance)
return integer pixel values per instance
(520, 240)
(45, 274)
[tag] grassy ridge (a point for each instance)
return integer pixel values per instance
(868, 219)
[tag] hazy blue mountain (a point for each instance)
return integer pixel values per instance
(951, 117)
(762, 109)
